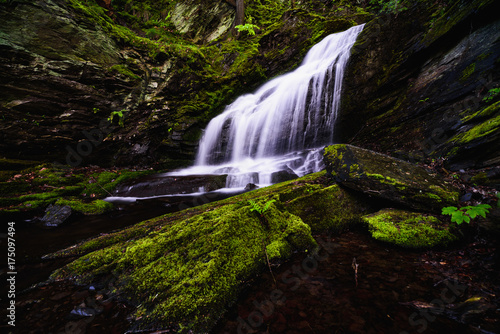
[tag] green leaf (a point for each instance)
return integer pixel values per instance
(457, 217)
(449, 210)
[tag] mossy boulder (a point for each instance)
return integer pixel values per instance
(331, 208)
(409, 229)
(392, 179)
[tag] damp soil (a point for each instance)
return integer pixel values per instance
(354, 284)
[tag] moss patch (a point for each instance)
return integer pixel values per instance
(468, 71)
(487, 127)
(408, 229)
(95, 207)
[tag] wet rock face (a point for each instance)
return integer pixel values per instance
(203, 21)
(418, 85)
(388, 178)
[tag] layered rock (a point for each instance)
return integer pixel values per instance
(419, 86)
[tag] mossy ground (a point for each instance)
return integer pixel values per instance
(31, 190)
(409, 229)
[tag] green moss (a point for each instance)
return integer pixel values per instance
(408, 229)
(335, 151)
(430, 196)
(387, 180)
(330, 208)
(95, 207)
(483, 113)
(37, 187)
(468, 71)
(188, 272)
(124, 70)
(103, 183)
(279, 249)
(13, 188)
(485, 128)
(445, 195)
(480, 178)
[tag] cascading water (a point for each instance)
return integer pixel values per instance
(280, 128)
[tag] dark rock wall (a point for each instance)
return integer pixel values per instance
(415, 85)
(55, 81)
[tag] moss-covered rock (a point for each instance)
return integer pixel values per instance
(330, 208)
(409, 229)
(184, 274)
(95, 207)
(382, 176)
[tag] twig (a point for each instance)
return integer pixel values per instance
(105, 190)
(355, 267)
(268, 264)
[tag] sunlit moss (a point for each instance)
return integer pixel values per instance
(95, 207)
(408, 229)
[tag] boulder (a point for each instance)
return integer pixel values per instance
(283, 175)
(409, 229)
(251, 186)
(55, 215)
(388, 178)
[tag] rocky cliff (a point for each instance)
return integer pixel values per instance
(424, 84)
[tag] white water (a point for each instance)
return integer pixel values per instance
(283, 125)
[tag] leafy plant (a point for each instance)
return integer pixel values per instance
(248, 27)
(116, 113)
(491, 94)
(466, 213)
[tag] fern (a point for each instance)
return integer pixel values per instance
(258, 208)
(248, 27)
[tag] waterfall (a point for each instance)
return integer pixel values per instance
(281, 128)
